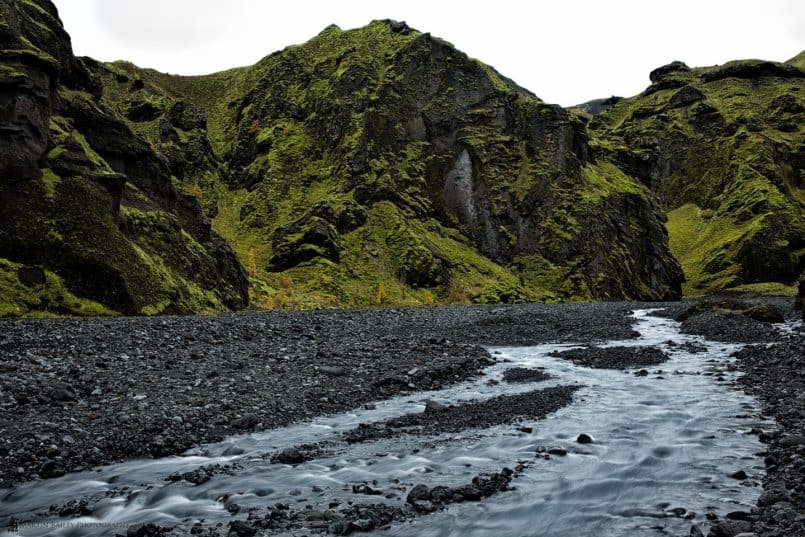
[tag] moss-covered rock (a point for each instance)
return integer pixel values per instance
(480, 173)
(723, 148)
(86, 198)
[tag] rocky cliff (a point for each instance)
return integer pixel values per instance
(381, 165)
(90, 221)
(723, 148)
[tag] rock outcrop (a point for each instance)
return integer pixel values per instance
(468, 187)
(382, 166)
(86, 199)
(723, 149)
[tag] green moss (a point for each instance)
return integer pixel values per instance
(766, 289)
(51, 181)
(51, 298)
(605, 179)
(798, 61)
(707, 248)
(724, 167)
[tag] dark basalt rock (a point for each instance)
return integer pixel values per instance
(752, 69)
(31, 276)
(308, 238)
(674, 67)
(686, 96)
(140, 111)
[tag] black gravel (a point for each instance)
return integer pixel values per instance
(84, 392)
(729, 328)
(734, 321)
(76, 393)
(477, 414)
(613, 357)
(524, 374)
(776, 375)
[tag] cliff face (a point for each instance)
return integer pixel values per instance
(90, 221)
(723, 148)
(381, 165)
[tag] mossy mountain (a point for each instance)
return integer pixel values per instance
(372, 166)
(723, 149)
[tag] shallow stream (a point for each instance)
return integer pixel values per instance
(664, 445)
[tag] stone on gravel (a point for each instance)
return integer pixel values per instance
(434, 406)
(246, 422)
(766, 313)
(584, 438)
(291, 456)
(238, 528)
(792, 440)
(333, 371)
(418, 493)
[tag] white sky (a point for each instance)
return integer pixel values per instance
(565, 51)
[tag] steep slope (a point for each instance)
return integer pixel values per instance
(723, 147)
(89, 219)
(381, 165)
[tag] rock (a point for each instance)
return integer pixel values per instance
(434, 406)
(660, 72)
(31, 276)
(792, 440)
(333, 371)
(51, 469)
(62, 392)
(441, 495)
(246, 422)
(738, 515)
(146, 530)
(418, 493)
(239, 528)
(424, 506)
(141, 111)
(366, 489)
(695, 531)
(523, 374)
(613, 357)
(362, 524)
(584, 438)
(558, 451)
(468, 493)
(686, 96)
(291, 456)
(305, 239)
(730, 528)
(766, 313)
(740, 475)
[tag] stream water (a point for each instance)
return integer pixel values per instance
(664, 445)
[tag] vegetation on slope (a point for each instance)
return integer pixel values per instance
(381, 166)
(723, 147)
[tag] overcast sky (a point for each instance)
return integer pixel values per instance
(565, 51)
